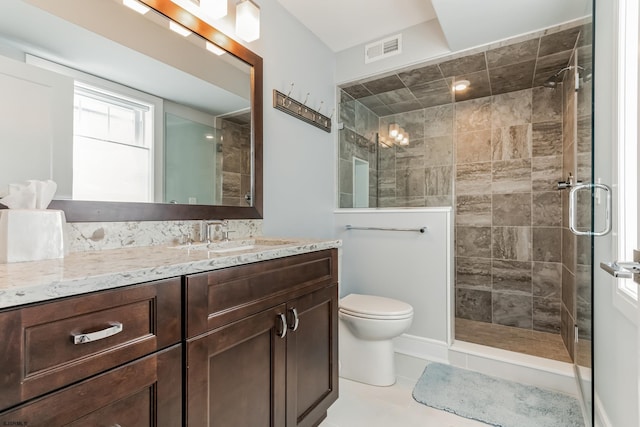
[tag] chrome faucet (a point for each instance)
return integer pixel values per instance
(207, 234)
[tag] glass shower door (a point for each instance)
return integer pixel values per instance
(584, 201)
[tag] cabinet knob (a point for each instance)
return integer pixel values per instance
(296, 321)
(283, 325)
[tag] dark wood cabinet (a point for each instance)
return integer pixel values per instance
(253, 345)
(271, 358)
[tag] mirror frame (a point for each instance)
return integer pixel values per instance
(95, 211)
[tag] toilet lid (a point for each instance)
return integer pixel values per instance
(374, 306)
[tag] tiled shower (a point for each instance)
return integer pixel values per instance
(495, 153)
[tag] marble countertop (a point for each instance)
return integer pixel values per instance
(83, 272)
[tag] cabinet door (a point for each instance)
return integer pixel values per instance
(312, 357)
(236, 374)
(144, 393)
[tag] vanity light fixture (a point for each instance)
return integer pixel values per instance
(461, 85)
(398, 134)
(247, 20)
(393, 130)
(173, 26)
(137, 6)
(215, 9)
(214, 49)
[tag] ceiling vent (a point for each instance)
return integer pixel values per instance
(383, 48)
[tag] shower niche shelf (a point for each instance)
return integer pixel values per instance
(298, 109)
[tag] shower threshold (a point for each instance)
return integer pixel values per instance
(533, 343)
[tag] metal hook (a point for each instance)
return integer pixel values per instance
(287, 96)
(320, 107)
(332, 112)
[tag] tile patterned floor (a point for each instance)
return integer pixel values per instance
(362, 405)
(525, 341)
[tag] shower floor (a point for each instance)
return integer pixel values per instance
(541, 344)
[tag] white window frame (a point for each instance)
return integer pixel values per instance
(143, 138)
(626, 237)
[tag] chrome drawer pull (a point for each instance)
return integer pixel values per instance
(115, 328)
(296, 320)
(283, 324)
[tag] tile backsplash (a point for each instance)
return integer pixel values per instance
(95, 236)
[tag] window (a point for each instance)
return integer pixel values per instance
(112, 146)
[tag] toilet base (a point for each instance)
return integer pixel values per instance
(366, 361)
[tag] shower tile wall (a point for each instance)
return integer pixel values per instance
(508, 213)
(236, 161)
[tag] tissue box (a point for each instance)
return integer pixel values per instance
(31, 234)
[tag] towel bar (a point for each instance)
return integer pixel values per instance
(419, 230)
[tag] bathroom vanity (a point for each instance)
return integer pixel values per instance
(159, 336)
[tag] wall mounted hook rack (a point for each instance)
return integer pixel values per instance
(298, 109)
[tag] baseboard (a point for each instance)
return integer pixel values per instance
(422, 348)
(601, 418)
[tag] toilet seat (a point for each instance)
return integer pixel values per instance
(375, 307)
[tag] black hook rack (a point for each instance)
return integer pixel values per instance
(298, 109)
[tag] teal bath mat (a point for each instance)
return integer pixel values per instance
(495, 401)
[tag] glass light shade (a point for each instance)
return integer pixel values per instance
(461, 85)
(405, 141)
(400, 136)
(248, 21)
(136, 5)
(393, 130)
(214, 9)
(175, 27)
(214, 49)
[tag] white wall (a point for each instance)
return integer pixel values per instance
(299, 159)
(408, 266)
(615, 337)
(419, 43)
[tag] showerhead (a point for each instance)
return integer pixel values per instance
(552, 82)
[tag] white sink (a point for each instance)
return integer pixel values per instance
(233, 249)
(235, 245)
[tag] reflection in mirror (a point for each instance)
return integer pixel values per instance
(126, 113)
(360, 183)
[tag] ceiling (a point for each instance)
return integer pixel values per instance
(503, 69)
(342, 24)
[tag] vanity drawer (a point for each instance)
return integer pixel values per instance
(143, 393)
(109, 328)
(222, 296)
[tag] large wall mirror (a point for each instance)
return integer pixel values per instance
(132, 120)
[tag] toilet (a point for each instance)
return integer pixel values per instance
(367, 327)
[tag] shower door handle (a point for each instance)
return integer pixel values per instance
(621, 269)
(573, 210)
